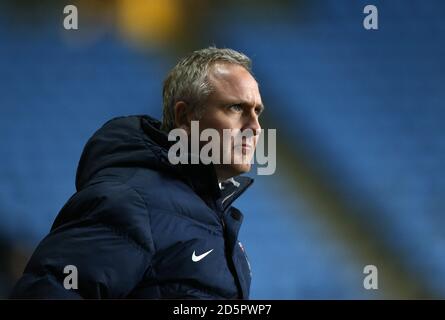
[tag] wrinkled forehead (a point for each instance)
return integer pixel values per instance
(232, 80)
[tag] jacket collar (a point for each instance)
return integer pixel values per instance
(231, 189)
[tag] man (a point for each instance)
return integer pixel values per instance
(141, 227)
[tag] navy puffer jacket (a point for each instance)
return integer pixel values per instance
(139, 227)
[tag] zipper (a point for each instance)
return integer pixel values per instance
(222, 202)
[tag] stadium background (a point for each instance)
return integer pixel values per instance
(359, 116)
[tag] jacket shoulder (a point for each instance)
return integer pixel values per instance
(115, 204)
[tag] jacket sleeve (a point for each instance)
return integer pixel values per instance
(101, 252)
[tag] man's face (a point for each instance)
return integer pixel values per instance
(235, 104)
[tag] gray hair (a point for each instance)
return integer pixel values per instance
(188, 81)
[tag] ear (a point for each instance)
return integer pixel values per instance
(182, 115)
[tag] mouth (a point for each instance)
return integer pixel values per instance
(244, 147)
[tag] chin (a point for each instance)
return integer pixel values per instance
(240, 168)
(229, 171)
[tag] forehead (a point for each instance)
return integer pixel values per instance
(232, 81)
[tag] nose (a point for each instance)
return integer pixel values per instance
(252, 123)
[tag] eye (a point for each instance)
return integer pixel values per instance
(236, 107)
(258, 110)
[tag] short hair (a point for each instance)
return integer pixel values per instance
(188, 80)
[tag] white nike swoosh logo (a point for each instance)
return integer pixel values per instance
(196, 258)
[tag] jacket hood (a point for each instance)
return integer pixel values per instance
(132, 141)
